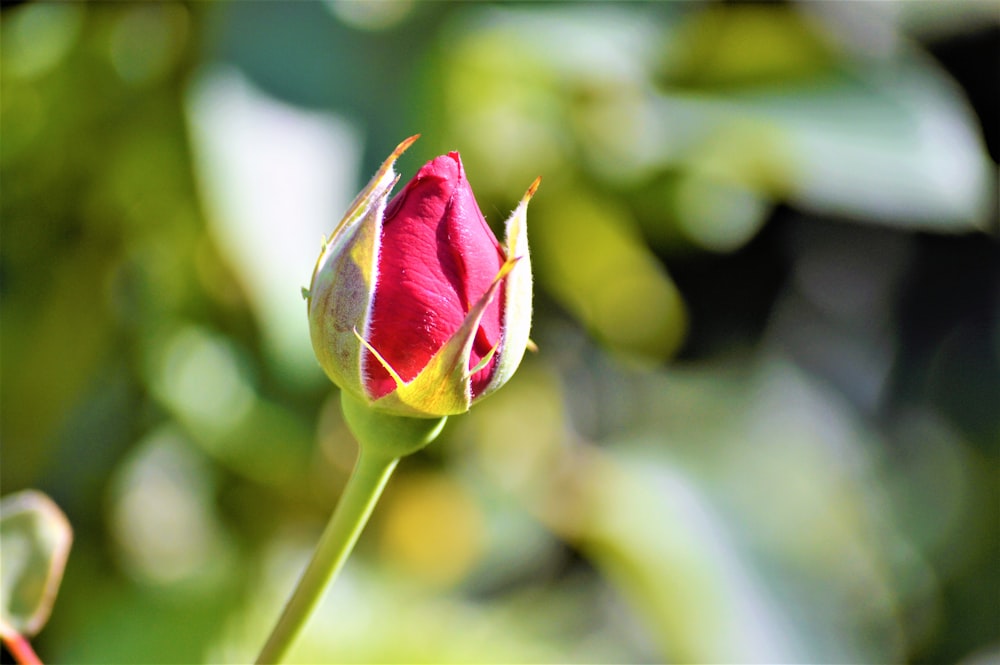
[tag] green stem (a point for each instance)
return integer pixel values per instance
(382, 440)
(370, 475)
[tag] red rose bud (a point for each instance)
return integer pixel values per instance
(414, 306)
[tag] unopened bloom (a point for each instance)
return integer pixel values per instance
(414, 306)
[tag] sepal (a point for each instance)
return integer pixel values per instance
(340, 293)
(517, 295)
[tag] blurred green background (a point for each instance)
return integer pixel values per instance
(763, 424)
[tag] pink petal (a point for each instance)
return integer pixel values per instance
(438, 256)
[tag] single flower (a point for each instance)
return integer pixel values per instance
(415, 308)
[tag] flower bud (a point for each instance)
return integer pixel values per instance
(415, 308)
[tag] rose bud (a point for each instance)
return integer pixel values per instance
(414, 307)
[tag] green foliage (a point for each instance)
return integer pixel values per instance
(761, 425)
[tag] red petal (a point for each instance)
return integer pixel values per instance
(438, 256)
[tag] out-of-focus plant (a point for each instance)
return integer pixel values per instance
(36, 539)
(686, 128)
(763, 428)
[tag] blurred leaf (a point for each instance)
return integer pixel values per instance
(746, 44)
(524, 91)
(755, 491)
(36, 539)
(163, 516)
(592, 260)
(54, 340)
(117, 622)
(719, 214)
(430, 528)
(275, 179)
(375, 616)
(894, 145)
(204, 380)
(653, 532)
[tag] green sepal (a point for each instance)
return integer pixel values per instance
(517, 296)
(384, 434)
(343, 282)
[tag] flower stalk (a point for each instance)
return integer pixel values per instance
(18, 646)
(382, 440)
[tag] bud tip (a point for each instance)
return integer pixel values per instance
(532, 189)
(404, 144)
